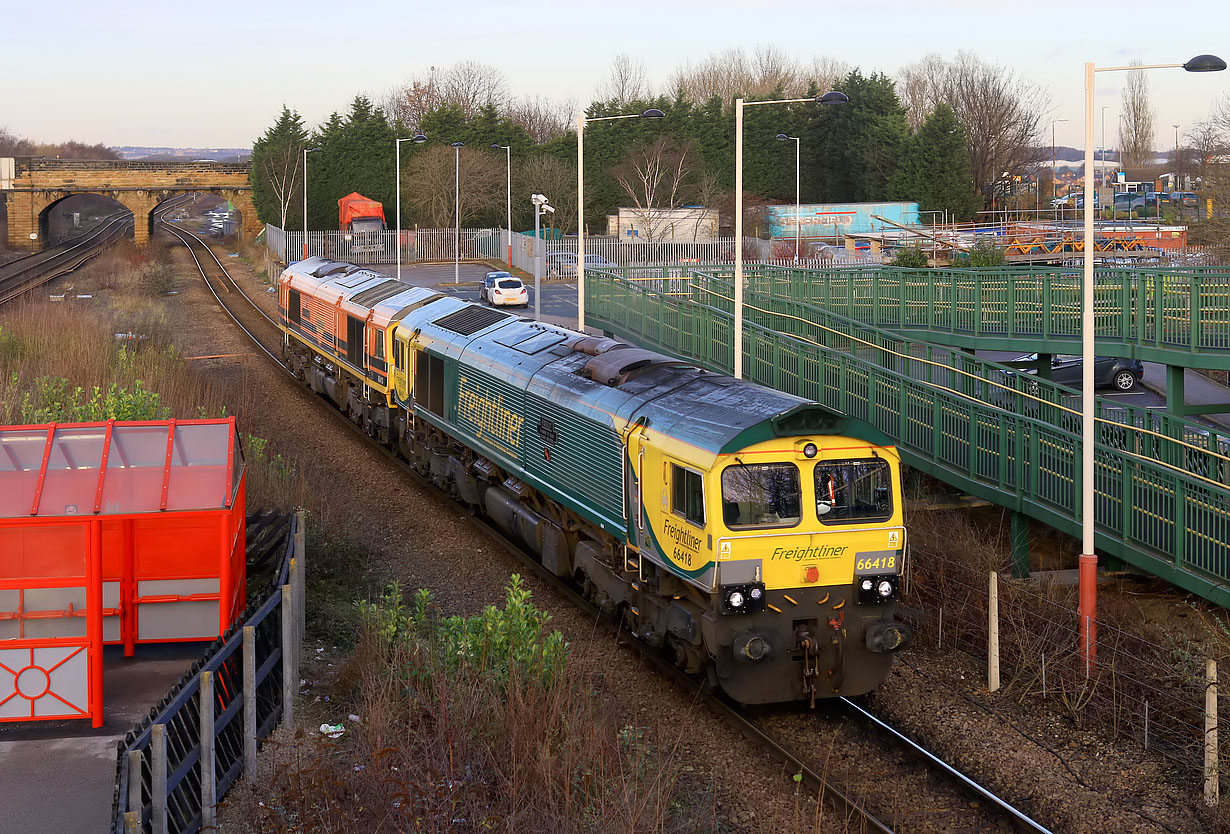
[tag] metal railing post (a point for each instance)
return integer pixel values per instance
(249, 700)
(207, 765)
(993, 635)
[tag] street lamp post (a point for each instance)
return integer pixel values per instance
(1054, 173)
(582, 121)
(1177, 186)
(540, 205)
(457, 146)
(417, 139)
(306, 151)
(798, 208)
(1088, 572)
(495, 146)
(831, 97)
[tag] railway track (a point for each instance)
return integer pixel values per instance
(964, 806)
(25, 274)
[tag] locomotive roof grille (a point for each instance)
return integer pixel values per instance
(372, 296)
(469, 320)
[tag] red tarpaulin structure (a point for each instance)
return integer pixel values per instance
(118, 533)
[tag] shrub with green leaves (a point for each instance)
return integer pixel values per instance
(53, 401)
(911, 257)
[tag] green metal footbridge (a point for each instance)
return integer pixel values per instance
(889, 348)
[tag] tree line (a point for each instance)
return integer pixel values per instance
(14, 145)
(942, 134)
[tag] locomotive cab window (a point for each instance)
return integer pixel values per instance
(761, 495)
(378, 338)
(849, 492)
(688, 494)
(399, 355)
(294, 306)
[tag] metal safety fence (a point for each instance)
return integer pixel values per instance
(417, 245)
(1174, 315)
(174, 768)
(956, 417)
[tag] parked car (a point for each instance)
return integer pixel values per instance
(1121, 374)
(503, 289)
(1129, 201)
(1185, 198)
(565, 263)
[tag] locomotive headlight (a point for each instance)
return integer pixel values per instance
(741, 598)
(865, 584)
(735, 599)
(755, 593)
(884, 589)
(810, 450)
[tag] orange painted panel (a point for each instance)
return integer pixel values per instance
(176, 546)
(43, 550)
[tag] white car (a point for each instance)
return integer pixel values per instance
(504, 290)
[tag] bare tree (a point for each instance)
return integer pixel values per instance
(1000, 113)
(773, 69)
(555, 178)
(472, 86)
(657, 178)
(827, 72)
(13, 145)
(542, 118)
(625, 81)
(732, 73)
(918, 87)
(1136, 134)
(410, 102)
(433, 172)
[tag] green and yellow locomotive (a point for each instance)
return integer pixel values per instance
(731, 524)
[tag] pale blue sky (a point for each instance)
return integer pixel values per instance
(216, 74)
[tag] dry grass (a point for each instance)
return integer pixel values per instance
(120, 337)
(448, 745)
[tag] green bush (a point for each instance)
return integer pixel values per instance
(53, 401)
(911, 257)
(983, 254)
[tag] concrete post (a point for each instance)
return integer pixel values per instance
(136, 788)
(993, 635)
(1211, 769)
(249, 700)
(290, 670)
(207, 766)
(158, 778)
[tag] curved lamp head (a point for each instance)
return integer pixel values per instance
(1205, 63)
(419, 139)
(655, 113)
(457, 145)
(781, 137)
(833, 97)
(496, 146)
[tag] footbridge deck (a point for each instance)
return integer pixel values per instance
(1163, 482)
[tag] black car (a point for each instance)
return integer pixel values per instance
(1108, 371)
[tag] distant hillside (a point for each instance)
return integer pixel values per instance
(182, 154)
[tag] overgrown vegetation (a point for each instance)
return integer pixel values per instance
(911, 257)
(110, 357)
(471, 724)
(983, 253)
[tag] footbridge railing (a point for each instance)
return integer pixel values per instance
(1163, 503)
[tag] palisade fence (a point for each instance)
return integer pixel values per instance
(174, 768)
(425, 245)
(1015, 447)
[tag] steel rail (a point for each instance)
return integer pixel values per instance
(185, 238)
(25, 274)
(1023, 821)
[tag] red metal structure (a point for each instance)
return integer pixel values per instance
(112, 533)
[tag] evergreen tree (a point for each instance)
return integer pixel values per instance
(277, 171)
(356, 154)
(935, 168)
(854, 147)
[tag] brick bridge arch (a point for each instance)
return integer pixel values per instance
(35, 185)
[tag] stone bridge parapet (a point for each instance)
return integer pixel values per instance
(32, 186)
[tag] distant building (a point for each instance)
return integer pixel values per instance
(663, 225)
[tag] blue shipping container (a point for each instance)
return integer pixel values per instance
(829, 220)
